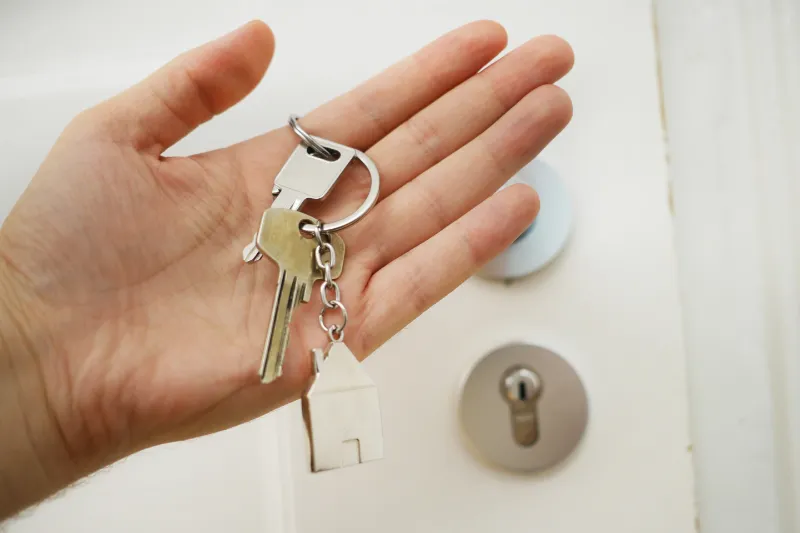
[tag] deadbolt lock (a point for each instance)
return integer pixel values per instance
(523, 408)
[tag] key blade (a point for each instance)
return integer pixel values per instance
(289, 199)
(287, 294)
(279, 237)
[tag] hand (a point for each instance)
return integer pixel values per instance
(129, 315)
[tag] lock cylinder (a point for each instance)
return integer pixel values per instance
(521, 387)
(523, 408)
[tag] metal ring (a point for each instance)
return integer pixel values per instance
(334, 305)
(363, 209)
(333, 332)
(318, 234)
(366, 205)
(309, 140)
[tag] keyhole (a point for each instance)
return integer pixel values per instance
(521, 388)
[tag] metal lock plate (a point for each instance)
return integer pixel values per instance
(523, 408)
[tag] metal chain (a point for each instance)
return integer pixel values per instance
(325, 257)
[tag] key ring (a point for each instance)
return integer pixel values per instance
(372, 196)
(309, 140)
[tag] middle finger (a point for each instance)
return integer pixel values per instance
(455, 118)
(467, 110)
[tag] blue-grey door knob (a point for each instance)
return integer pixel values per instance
(544, 240)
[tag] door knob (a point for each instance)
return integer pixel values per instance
(543, 240)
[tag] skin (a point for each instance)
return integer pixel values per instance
(127, 317)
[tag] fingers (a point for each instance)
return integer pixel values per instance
(364, 115)
(407, 287)
(428, 204)
(190, 90)
(369, 112)
(466, 111)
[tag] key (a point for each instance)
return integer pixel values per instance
(341, 410)
(303, 177)
(279, 237)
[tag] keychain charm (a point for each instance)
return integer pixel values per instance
(341, 411)
(341, 408)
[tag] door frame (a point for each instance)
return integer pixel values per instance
(730, 73)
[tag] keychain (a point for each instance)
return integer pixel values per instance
(340, 407)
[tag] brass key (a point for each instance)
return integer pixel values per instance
(280, 238)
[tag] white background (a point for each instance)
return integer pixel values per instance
(609, 304)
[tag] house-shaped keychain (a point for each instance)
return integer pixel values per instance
(341, 410)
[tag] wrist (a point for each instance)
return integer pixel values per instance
(34, 462)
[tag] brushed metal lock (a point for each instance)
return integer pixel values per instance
(523, 408)
(521, 388)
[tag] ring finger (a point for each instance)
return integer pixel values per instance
(442, 194)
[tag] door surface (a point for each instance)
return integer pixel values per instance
(608, 304)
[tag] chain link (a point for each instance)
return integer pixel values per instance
(325, 257)
(324, 290)
(335, 331)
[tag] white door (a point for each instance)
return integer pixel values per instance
(609, 304)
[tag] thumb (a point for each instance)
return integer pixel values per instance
(188, 91)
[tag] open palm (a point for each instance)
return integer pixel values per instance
(153, 325)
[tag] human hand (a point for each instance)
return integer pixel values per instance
(127, 316)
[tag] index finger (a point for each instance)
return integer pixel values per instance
(371, 110)
(364, 115)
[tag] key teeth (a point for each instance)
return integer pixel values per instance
(305, 293)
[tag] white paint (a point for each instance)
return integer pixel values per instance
(609, 304)
(731, 81)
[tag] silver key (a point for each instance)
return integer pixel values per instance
(342, 412)
(279, 238)
(304, 177)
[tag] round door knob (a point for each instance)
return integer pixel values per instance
(544, 240)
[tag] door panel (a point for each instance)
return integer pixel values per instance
(608, 304)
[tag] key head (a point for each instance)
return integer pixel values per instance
(312, 177)
(280, 238)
